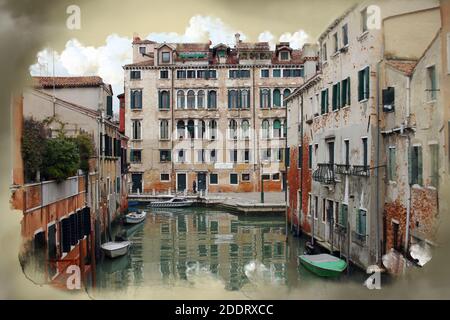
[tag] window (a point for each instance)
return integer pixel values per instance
(264, 98)
(361, 222)
(164, 155)
(212, 74)
(310, 154)
(245, 126)
(336, 42)
(164, 99)
(276, 98)
(276, 128)
(324, 101)
(287, 73)
(244, 99)
(135, 156)
(287, 157)
(389, 99)
(300, 157)
(201, 74)
(164, 74)
(297, 73)
(234, 74)
(245, 177)
(336, 103)
(324, 210)
(324, 52)
(142, 50)
(316, 207)
(200, 99)
(278, 154)
(135, 75)
(181, 156)
(213, 156)
(213, 129)
(276, 73)
(212, 99)
(180, 99)
(265, 177)
(246, 155)
(191, 74)
(345, 93)
(165, 57)
(347, 153)
(191, 129)
(233, 155)
(136, 126)
(181, 74)
(363, 84)
(164, 130)
(213, 178)
(201, 129)
(265, 129)
(191, 99)
(201, 156)
(265, 154)
(365, 154)
(284, 55)
(364, 20)
(136, 99)
(392, 166)
(415, 164)
(232, 126)
(434, 165)
(276, 176)
(343, 214)
(432, 86)
(181, 129)
(345, 35)
(264, 73)
(164, 177)
(330, 152)
(233, 178)
(232, 99)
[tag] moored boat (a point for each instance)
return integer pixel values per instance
(135, 217)
(115, 249)
(172, 203)
(323, 265)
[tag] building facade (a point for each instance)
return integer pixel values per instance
(210, 115)
(337, 126)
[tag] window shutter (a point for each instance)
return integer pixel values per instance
(229, 99)
(239, 102)
(80, 232)
(160, 105)
(338, 94)
(248, 98)
(419, 166)
(132, 100)
(65, 234)
(410, 164)
(366, 89)
(139, 99)
(360, 85)
(86, 221)
(334, 103)
(358, 221)
(109, 110)
(348, 91)
(73, 229)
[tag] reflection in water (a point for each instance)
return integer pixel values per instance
(184, 245)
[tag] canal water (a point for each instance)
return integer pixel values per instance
(196, 247)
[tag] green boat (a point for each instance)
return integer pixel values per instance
(323, 265)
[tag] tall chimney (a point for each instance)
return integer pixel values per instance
(237, 37)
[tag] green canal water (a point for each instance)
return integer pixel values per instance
(176, 248)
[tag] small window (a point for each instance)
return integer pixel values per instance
(136, 99)
(392, 165)
(165, 57)
(310, 156)
(164, 74)
(246, 177)
(246, 155)
(434, 165)
(432, 86)
(181, 155)
(361, 222)
(388, 99)
(345, 35)
(142, 50)
(213, 156)
(136, 129)
(164, 100)
(336, 42)
(345, 93)
(264, 73)
(324, 52)
(276, 176)
(135, 75)
(364, 20)
(324, 101)
(363, 84)
(165, 177)
(164, 155)
(135, 156)
(284, 55)
(265, 177)
(181, 74)
(276, 73)
(415, 165)
(191, 74)
(213, 178)
(365, 153)
(233, 178)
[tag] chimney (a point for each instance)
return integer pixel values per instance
(237, 37)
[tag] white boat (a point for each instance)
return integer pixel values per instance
(135, 217)
(115, 249)
(172, 203)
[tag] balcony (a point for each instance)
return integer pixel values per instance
(362, 171)
(343, 169)
(325, 173)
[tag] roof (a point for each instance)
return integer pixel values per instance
(137, 40)
(253, 46)
(69, 82)
(404, 66)
(192, 47)
(145, 63)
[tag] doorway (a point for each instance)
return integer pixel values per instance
(181, 181)
(201, 181)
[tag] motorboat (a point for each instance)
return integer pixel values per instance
(116, 249)
(172, 203)
(135, 217)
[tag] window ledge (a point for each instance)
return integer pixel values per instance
(335, 54)
(363, 35)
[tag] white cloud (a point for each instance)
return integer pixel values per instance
(297, 39)
(267, 36)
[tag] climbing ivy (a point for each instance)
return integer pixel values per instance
(61, 158)
(85, 146)
(34, 143)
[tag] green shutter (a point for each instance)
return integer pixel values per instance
(139, 93)
(132, 102)
(367, 87)
(229, 99)
(348, 99)
(419, 166)
(338, 98)
(109, 110)
(360, 85)
(160, 100)
(334, 100)
(410, 164)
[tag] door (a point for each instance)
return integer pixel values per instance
(329, 219)
(201, 181)
(51, 247)
(136, 183)
(284, 181)
(181, 181)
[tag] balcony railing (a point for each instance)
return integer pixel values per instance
(363, 171)
(325, 173)
(342, 168)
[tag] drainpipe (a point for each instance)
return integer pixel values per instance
(301, 161)
(408, 147)
(377, 169)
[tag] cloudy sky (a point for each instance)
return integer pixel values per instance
(103, 44)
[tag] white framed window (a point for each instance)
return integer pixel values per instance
(136, 127)
(234, 179)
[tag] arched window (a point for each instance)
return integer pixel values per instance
(245, 125)
(212, 99)
(245, 99)
(164, 129)
(286, 94)
(276, 98)
(180, 129)
(202, 129)
(265, 129)
(276, 128)
(233, 129)
(191, 129)
(180, 99)
(232, 99)
(213, 129)
(164, 99)
(191, 99)
(201, 99)
(265, 98)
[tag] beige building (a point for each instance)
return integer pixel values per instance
(338, 125)
(213, 115)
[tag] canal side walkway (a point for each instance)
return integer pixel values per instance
(247, 203)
